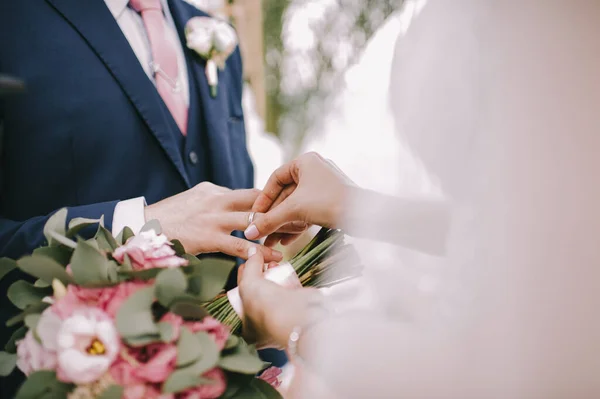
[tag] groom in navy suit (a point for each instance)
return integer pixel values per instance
(97, 130)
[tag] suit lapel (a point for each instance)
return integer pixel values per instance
(96, 25)
(215, 110)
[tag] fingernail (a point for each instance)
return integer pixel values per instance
(251, 251)
(277, 254)
(251, 232)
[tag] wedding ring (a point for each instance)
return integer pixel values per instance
(251, 218)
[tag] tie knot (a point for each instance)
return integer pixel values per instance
(143, 5)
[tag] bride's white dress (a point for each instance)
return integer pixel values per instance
(501, 101)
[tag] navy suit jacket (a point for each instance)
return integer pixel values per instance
(91, 128)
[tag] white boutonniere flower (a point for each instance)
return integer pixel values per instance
(214, 40)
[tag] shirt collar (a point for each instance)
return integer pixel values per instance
(116, 7)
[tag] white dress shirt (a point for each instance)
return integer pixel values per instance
(131, 212)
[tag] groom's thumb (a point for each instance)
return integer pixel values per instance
(269, 222)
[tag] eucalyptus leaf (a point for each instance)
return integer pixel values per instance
(188, 349)
(257, 389)
(170, 283)
(44, 268)
(134, 317)
(41, 284)
(18, 334)
(143, 340)
(178, 247)
(6, 266)
(206, 286)
(32, 320)
(180, 380)
(57, 224)
(241, 360)
(124, 235)
(112, 392)
(143, 275)
(152, 225)
(232, 342)
(78, 224)
(33, 309)
(59, 239)
(43, 384)
(89, 266)
(210, 353)
(126, 265)
(8, 361)
(189, 310)
(23, 294)
(236, 383)
(105, 240)
(167, 332)
(61, 254)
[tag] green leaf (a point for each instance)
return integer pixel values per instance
(180, 381)
(8, 361)
(209, 277)
(89, 266)
(33, 309)
(188, 349)
(44, 268)
(124, 235)
(78, 224)
(210, 353)
(241, 360)
(32, 320)
(178, 247)
(41, 284)
(256, 389)
(19, 333)
(57, 224)
(134, 317)
(106, 241)
(152, 225)
(23, 294)
(126, 265)
(43, 384)
(170, 283)
(235, 383)
(167, 332)
(61, 255)
(112, 392)
(6, 266)
(189, 310)
(59, 239)
(143, 340)
(143, 275)
(232, 342)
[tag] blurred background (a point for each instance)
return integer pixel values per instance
(317, 74)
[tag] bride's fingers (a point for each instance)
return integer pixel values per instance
(254, 266)
(277, 182)
(238, 247)
(286, 192)
(271, 221)
(235, 221)
(292, 227)
(241, 200)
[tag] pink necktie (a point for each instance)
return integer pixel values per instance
(164, 60)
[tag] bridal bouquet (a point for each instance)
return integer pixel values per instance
(124, 317)
(327, 260)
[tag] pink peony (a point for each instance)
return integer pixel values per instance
(33, 357)
(148, 364)
(209, 391)
(148, 251)
(271, 376)
(160, 366)
(119, 294)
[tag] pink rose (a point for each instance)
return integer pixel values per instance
(209, 391)
(271, 376)
(219, 332)
(148, 251)
(160, 366)
(152, 364)
(33, 357)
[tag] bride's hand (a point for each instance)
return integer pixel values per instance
(310, 190)
(270, 311)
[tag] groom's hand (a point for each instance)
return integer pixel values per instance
(204, 217)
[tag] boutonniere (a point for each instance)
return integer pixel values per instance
(214, 40)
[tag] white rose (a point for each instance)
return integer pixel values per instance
(224, 38)
(199, 35)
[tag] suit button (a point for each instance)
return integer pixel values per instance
(193, 157)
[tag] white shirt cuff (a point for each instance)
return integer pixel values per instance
(129, 213)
